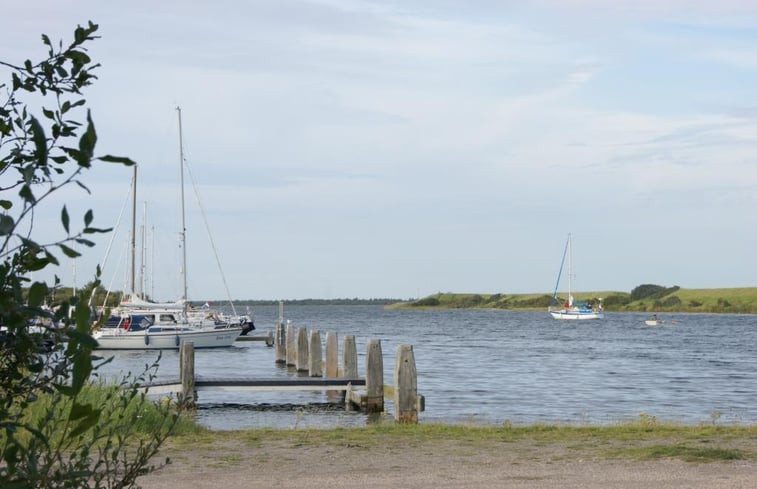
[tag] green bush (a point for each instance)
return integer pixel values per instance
(616, 300)
(427, 302)
(469, 301)
(55, 433)
(651, 291)
(644, 291)
(671, 301)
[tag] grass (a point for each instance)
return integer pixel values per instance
(112, 403)
(683, 452)
(642, 439)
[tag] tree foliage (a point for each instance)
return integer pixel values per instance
(651, 291)
(51, 433)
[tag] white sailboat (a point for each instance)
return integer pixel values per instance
(570, 309)
(140, 324)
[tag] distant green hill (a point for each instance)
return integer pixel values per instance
(644, 298)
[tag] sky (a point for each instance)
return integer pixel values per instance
(349, 148)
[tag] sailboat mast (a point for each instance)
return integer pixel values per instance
(134, 234)
(142, 265)
(183, 234)
(570, 270)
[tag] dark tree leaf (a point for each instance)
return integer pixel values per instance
(117, 159)
(87, 143)
(40, 142)
(26, 194)
(64, 219)
(6, 225)
(69, 252)
(96, 230)
(37, 293)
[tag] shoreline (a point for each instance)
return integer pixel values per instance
(460, 456)
(673, 300)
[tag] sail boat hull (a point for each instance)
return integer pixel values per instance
(159, 339)
(576, 315)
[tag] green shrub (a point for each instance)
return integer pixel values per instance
(616, 300)
(671, 301)
(645, 290)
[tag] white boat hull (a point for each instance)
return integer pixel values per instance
(119, 339)
(576, 315)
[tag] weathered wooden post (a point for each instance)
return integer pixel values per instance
(187, 373)
(315, 357)
(301, 362)
(332, 355)
(280, 343)
(349, 359)
(291, 340)
(374, 377)
(405, 386)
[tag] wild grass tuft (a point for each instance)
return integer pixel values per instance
(683, 452)
(106, 397)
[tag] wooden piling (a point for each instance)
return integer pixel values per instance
(187, 373)
(374, 377)
(315, 355)
(405, 386)
(349, 359)
(280, 343)
(332, 355)
(301, 363)
(291, 342)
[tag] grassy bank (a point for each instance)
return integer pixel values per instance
(664, 299)
(54, 418)
(643, 439)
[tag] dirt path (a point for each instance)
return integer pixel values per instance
(432, 465)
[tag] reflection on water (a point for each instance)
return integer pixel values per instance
(488, 366)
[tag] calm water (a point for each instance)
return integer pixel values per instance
(488, 366)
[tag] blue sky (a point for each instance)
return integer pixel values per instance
(397, 149)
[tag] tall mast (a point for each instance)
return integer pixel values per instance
(570, 270)
(152, 262)
(183, 233)
(142, 277)
(134, 234)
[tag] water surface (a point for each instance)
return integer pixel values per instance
(489, 366)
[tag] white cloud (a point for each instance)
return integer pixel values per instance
(361, 148)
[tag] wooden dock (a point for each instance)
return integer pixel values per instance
(266, 337)
(302, 352)
(246, 384)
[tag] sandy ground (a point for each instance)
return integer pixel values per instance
(433, 465)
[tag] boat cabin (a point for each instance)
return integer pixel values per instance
(132, 322)
(161, 318)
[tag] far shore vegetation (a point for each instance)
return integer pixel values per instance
(644, 298)
(649, 298)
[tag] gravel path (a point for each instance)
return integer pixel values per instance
(433, 465)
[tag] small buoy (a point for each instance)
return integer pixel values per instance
(147, 339)
(178, 340)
